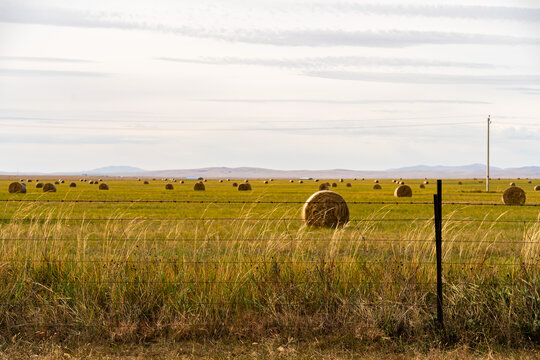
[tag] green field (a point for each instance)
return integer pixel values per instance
(109, 265)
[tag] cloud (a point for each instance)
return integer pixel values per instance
(350, 102)
(526, 91)
(49, 73)
(423, 78)
(18, 13)
(43, 59)
(329, 62)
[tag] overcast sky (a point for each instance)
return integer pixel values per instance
(285, 84)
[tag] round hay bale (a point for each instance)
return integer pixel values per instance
(181, 181)
(271, 179)
(480, 181)
(21, 180)
(244, 187)
(17, 188)
(377, 187)
(220, 180)
(39, 185)
(537, 188)
(73, 184)
(300, 181)
(402, 182)
(265, 182)
(57, 182)
(375, 181)
(246, 181)
(459, 183)
(512, 184)
(349, 185)
(422, 186)
(426, 182)
(334, 185)
(340, 180)
(100, 180)
(324, 186)
(146, 182)
(291, 181)
(199, 187)
(316, 180)
(514, 196)
(169, 187)
(48, 187)
(325, 209)
(62, 181)
(528, 182)
(81, 180)
(30, 180)
(103, 186)
(403, 191)
(234, 185)
(139, 179)
(228, 179)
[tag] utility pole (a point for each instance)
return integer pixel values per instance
(487, 165)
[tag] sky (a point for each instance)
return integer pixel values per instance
(283, 84)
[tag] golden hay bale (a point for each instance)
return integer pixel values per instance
(48, 187)
(422, 186)
(291, 181)
(81, 180)
(39, 185)
(402, 183)
(528, 182)
(316, 180)
(480, 181)
(340, 180)
(146, 182)
(17, 187)
(62, 181)
(334, 185)
(426, 182)
(220, 180)
(376, 181)
(325, 209)
(228, 179)
(537, 188)
(139, 179)
(57, 182)
(459, 183)
(169, 187)
(100, 180)
(199, 187)
(300, 181)
(244, 187)
(512, 184)
(403, 191)
(205, 180)
(246, 181)
(265, 182)
(21, 180)
(73, 184)
(514, 196)
(103, 186)
(30, 180)
(377, 187)
(349, 185)
(234, 185)
(181, 181)
(324, 186)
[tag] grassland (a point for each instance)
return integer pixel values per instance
(133, 271)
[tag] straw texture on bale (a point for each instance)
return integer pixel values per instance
(537, 188)
(103, 186)
(48, 187)
(377, 187)
(17, 188)
(512, 184)
(403, 191)
(73, 184)
(39, 185)
(244, 187)
(514, 196)
(169, 187)
(199, 187)
(324, 186)
(234, 185)
(349, 185)
(325, 209)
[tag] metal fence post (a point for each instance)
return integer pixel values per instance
(437, 207)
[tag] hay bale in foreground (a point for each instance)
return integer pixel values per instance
(48, 187)
(234, 185)
(537, 188)
(512, 184)
(403, 191)
(377, 187)
(325, 209)
(244, 187)
(17, 188)
(169, 187)
(199, 187)
(349, 185)
(324, 186)
(39, 185)
(514, 196)
(73, 184)
(103, 186)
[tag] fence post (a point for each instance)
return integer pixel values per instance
(437, 207)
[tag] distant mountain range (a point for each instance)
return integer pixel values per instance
(411, 172)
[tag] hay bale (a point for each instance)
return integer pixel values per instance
(514, 196)
(325, 209)
(334, 185)
(30, 180)
(459, 183)
(422, 186)
(375, 181)
(146, 182)
(402, 182)
(39, 185)
(81, 180)
(103, 186)
(100, 180)
(528, 182)
(73, 184)
(169, 187)
(199, 187)
(480, 181)
(316, 180)
(340, 180)
(426, 182)
(220, 180)
(48, 187)
(244, 187)
(62, 181)
(17, 188)
(246, 181)
(228, 179)
(512, 184)
(265, 182)
(324, 186)
(300, 181)
(349, 185)
(403, 191)
(139, 179)
(377, 187)
(537, 188)
(57, 182)
(291, 181)
(181, 181)
(234, 185)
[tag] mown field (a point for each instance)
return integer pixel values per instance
(138, 263)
